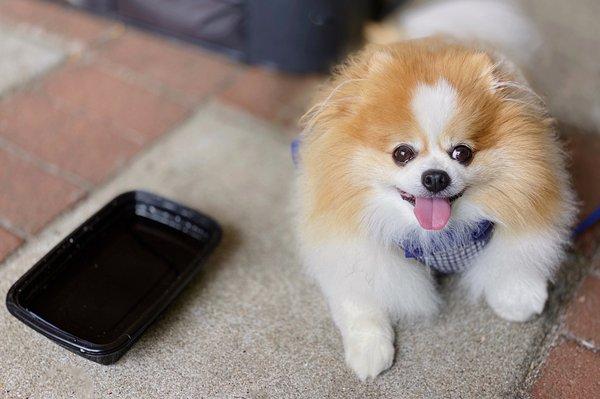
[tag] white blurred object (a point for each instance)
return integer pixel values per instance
(497, 23)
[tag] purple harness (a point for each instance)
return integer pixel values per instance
(452, 258)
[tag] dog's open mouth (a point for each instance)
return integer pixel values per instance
(432, 213)
(411, 198)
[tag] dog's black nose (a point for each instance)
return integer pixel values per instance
(435, 180)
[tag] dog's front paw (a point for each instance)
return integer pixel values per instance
(369, 354)
(518, 300)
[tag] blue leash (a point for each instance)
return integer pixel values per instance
(585, 224)
(588, 222)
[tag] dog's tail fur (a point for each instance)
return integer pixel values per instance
(492, 22)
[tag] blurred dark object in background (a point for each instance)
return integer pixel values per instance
(303, 35)
(381, 8)
(297, 36)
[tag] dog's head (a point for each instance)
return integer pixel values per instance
(425, 134)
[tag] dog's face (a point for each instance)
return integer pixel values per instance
(429, 159)
(419, 138)
(420, 155)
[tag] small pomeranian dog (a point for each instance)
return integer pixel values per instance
(432, 155)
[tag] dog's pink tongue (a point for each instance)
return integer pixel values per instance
(432, 213)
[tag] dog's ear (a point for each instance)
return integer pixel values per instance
(378, 59)
(506, 80)
(339, 97)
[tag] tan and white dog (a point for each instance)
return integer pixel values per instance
(422, 140)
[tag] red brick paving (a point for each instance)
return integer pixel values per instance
(271, 95)
(572, 369)
(180, 67)
(8, 243)
(31, 197)
(112, 99)
(94, 113)
(571, 372)
(53, 18)
(88, 148)
(583, 314)
(584, 148)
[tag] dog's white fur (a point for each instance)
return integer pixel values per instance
(434, 106)
(367, 281)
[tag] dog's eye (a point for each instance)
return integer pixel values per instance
(462, 154)
(403, 154)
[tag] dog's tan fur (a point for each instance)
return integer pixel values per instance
(366, 105)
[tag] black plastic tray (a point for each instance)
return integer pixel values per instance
(99, 289)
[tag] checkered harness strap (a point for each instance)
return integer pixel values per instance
(458, 257)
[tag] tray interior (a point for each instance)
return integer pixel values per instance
(97, 291)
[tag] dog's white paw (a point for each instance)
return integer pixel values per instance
(369, 354)
(518, 300)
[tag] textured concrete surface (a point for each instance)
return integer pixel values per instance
(251, 325)
(23, 57)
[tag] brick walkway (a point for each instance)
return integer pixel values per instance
(104, 93)
(572, 366)
(117, 90)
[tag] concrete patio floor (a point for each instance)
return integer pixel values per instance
(90, 108)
